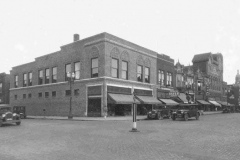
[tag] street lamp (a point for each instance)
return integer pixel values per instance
(70, 76)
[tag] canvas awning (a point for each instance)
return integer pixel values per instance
(203, 102)
(215, 103)
(183, 98)
(169, 102)
(121, 99)
(148, 100)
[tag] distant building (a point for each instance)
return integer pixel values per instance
(4, 88)
(210, 80)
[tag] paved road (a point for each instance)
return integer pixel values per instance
(213, 137)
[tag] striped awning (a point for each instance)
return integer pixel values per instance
(169, 102)
(215, 103)
(148, 100)
(203, 102)
(121, 99)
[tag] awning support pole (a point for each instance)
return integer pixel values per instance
(134, 129)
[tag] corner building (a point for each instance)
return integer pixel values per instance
(106, 71)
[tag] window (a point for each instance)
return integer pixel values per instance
(77, 70)
(54, 93)
(124, 70)
(139, 73)
(161, 77)
(47, 76)
(114, 69)
(15, 97)
(24, 80)
(1, 88)
(68, 93)
(147, 75)
(76, 92)
(24, 96)
(29, 95)
(67, 72)
(40, 77)
(54, 75)
(30, 79)
(46, 94)
(199, 86)
(169, 79)
(16, 81)
(40, 94)
(94, 71)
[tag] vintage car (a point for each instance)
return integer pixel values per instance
(159, 112)
(228, 109)
(21, 110)
(186, 111)
(7, 116)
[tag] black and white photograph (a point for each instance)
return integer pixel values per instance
(119, 80)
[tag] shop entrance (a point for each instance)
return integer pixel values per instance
(94, 107)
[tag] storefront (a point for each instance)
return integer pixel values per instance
(204, 105)
(216, 106)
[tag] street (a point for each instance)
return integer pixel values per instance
(212, 137)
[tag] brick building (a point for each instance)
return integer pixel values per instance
(210, 79)
(91, 77)
(4, 88)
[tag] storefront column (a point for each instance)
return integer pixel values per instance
(104, 99)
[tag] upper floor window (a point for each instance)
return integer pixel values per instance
(24, 80)
(124, 70)
(147, 75)
(24, 96)
(199, 86)
(67, 71)
(47, 78)
(94, 69)
(46, 94)
(40, 77)
(54, 93)
(161, 77)
(54, 75)
(139, 73)
(114, 68)
(30, 79)
(16, 81)
(169, 79)
(77, 70)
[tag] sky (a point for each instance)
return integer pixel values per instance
(177, 28)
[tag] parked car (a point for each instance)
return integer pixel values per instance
(159, 112)
(226, 109)
(7, 116)
(186, 111)
(21, 110)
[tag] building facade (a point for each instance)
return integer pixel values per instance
(209, 70)
(94, 76)
(4, 88)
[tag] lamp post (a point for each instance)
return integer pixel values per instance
(71, 81)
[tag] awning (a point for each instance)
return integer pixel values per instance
(203, 102)
(121, 99)
(215, 103)
(222, 103)
(168, 102)
(148, 100)
(183, 98)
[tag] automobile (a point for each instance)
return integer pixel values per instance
(226, 109)
(21, 110)
(7, 116)
(159, 112)
(186, 111)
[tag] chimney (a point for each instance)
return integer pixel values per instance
(75, 37)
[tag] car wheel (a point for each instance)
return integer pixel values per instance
(173, 117)
(186, 117)
(0, 123)
(18, 123)
(197, 116)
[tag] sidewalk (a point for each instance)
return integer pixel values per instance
(116, 118)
